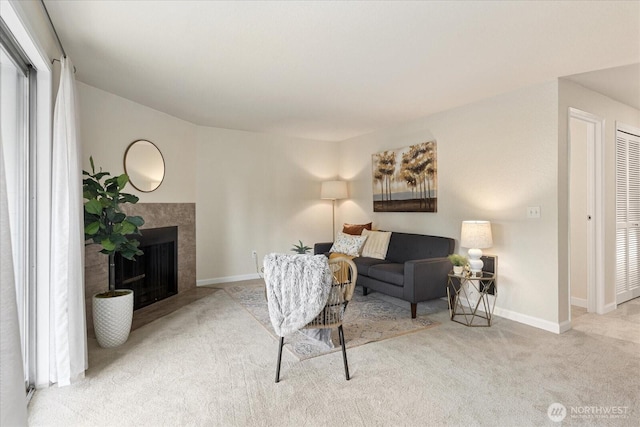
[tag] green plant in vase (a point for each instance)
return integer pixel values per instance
(301, 248)
(459, 262)
(106, 225)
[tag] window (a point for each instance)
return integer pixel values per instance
(17, 87)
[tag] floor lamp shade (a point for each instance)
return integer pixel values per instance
(334, 190)
(476, 235)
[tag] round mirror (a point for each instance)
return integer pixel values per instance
(144, 164)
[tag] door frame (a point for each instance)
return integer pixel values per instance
(595, 209)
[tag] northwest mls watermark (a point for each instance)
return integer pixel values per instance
(558, 412)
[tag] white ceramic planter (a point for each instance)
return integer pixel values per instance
(458, 269)
(112, 318)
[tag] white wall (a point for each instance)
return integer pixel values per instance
(257, 191)
(495, 158)
(573, 95)
(252, 191)
(109, 123)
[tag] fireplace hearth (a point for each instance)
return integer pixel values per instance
(153, 276)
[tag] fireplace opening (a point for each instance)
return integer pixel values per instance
(153, 276)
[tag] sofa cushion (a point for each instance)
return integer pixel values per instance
(376, 244)
(406, 247)
(364, 263)
(390, 273)
(348, 244)
(355, 229)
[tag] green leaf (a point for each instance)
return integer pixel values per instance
(118, 217)
(128, 254)
(93, 169)
(92, 228)
(130, 250)
(118, 239)
(128, 198)
(112, 187)
(136, 220)
(99, 175)
(122, 180)
(128, 228)
(93, 207)
(110, 212)
(108, 245)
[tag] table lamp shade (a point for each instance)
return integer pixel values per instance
(476, 235)
(333, 190)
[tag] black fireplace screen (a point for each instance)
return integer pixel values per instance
(154, 275)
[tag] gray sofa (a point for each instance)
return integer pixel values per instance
(415, 268)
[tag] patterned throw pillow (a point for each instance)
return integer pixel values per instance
(348, 244)
(377, 244)
(355, 229)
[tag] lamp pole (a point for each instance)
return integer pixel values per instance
(333, 190)
(334, 220)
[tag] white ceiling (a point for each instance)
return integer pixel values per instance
(335, 70)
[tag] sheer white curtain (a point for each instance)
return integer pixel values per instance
(13, 401)
(68, 333)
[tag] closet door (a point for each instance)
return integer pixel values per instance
(627, 213)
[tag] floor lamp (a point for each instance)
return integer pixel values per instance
(334, 190)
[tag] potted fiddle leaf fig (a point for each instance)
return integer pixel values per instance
(106, 225)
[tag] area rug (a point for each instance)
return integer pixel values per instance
(368, 319)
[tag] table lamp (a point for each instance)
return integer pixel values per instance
(476, 235)
(334, 190)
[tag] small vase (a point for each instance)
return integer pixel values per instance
(457, 270)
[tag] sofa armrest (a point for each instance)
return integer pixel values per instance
(322, 248)
(426, 279)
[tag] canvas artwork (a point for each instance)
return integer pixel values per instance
(406, 179)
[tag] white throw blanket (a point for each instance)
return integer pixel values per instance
(298, 287)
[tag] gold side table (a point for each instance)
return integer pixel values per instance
(463, 308)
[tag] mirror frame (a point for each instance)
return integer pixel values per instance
(164, 165)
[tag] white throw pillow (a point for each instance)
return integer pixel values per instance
(348, 244)
(377, 244)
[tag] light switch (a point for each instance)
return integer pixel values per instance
(533, 212)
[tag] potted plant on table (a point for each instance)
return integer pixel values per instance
(106, 225)
(459, 262)
(301, 248)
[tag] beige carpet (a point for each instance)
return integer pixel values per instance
(367, 319)
(211, 364)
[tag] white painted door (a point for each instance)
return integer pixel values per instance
(580, 133)
(627, 213)
(586, 213)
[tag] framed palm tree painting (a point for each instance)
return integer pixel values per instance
(406, 179)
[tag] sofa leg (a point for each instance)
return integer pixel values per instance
(414, 307)
(365, 291)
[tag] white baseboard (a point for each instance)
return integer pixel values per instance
(556, 328)
(579, 302)
(218, 280)
(564, 326)
(609, 308)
